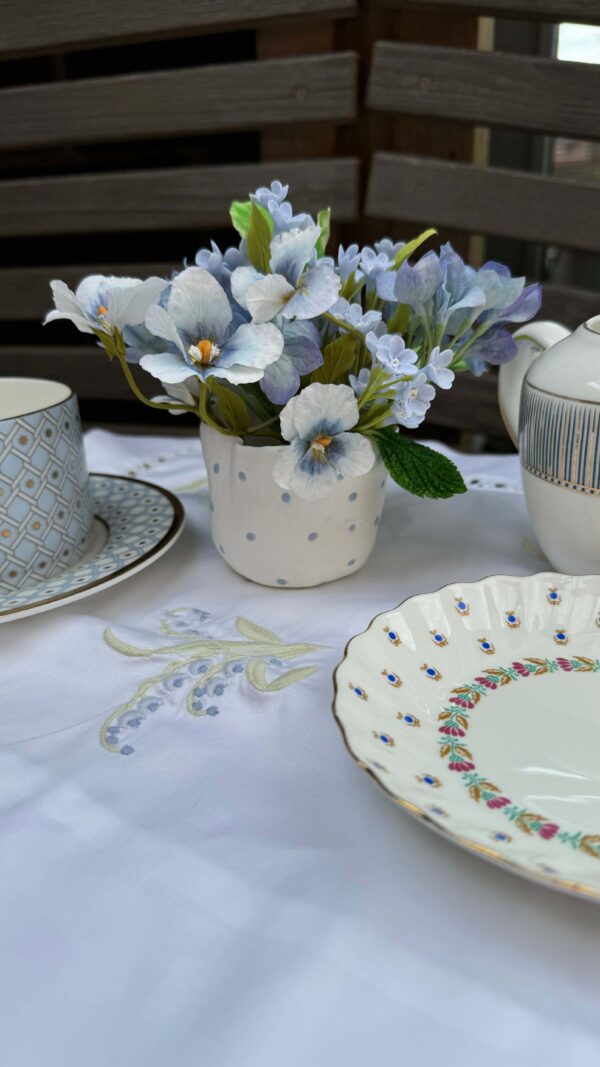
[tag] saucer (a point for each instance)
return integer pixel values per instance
(135, 524)
(476, 709)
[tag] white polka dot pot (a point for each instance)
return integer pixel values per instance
(274, 537)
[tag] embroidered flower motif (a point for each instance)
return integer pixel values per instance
(201, 666)
(316, 423)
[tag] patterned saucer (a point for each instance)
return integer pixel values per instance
(476, 708)
(136, 523)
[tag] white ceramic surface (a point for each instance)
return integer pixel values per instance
(272, 536)
(135, 523)
(476, 709)
(551, 406)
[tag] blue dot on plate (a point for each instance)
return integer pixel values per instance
(430, 671)
(428, 779)
(409, 718)
(438, 637)
(241, 476)
(286, 498)
(251, 537)
(216, 468)
(312, 536)
(352, 496)
(281, 581)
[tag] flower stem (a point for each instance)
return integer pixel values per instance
(144, 399)
(343, 325)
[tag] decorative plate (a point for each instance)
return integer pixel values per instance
(136, 523)
(477, 709)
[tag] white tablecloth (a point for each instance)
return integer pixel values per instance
(228, 889)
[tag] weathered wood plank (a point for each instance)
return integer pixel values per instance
(471, 405)
(561, 303)
(25, 291)
(179, 198)
(544, 10)
(489, 201)
(79, 23)
(173, 103)
(488, 88)
(84, 367)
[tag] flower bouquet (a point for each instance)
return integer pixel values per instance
(321, 361)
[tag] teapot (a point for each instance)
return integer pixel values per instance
(549, 398)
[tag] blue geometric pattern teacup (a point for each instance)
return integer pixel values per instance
(46, 512)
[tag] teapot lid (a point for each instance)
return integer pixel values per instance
(571, 368)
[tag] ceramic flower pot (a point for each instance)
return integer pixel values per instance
(274, 537)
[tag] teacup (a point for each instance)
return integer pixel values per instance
(46, 515)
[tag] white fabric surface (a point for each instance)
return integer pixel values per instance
(235, 892)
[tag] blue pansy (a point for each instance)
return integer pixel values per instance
(316, 424)
(301, 355)
(105, 304)
(202, 339)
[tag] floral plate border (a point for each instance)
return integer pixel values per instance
(547, 878)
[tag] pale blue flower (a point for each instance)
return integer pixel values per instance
(525, 306)
(348, 261)
(275, 193)
(413, 401)
(391, 352)
(294, 289)
(414, 286)
(372, 265)
(284, 218)
(105, 304)
(388, 248)
(360, 381)
(437, 369)
(353, 314)
(202, 338)
(316, 423)
(301, 355)
(458, 296)
(495, 347)
(221, 264)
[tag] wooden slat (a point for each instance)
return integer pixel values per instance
(544, 10)
(180, 198)
(25, 293)
(486, 88)
(561, 303)
(84, 367)
(471, 406)
(79, 23)
(489, 201)
(172, 103)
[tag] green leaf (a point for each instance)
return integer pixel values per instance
(239, 213)
(256, 673)
(254, 632)
(411, 246)
(338, 360)
(418, 469)
(232, 408)
(258, 241)
(324, 221)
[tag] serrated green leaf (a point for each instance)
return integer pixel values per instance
(232, 409)
(324, 222)
(254, 632)
(411, 246)
(258, 241)
(338, 360)
(418, 469)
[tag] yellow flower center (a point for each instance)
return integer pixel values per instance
(322, 441)
(203, 351)
(101, 309)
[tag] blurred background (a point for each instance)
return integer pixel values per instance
(127, 127)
